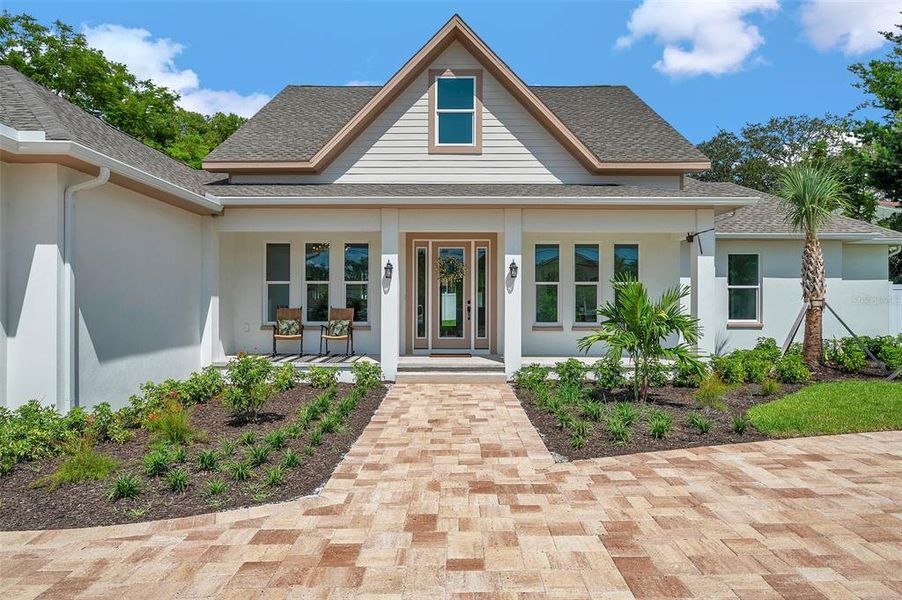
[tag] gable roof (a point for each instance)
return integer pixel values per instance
(28, 106)
(339, 133)
(610, 120)
(766, 217)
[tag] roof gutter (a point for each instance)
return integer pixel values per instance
(67, 361)
(33, 146)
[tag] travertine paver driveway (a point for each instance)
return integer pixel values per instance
(450, 490)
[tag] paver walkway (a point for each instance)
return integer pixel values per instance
(450, 491)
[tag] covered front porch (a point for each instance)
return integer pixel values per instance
(529, 280)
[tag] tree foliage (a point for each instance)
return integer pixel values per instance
(60, 59)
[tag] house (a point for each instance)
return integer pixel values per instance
(120, 265)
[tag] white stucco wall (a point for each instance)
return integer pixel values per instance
(516, 148)
(138, 292)
(856, 288)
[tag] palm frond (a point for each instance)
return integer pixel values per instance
(811, 195)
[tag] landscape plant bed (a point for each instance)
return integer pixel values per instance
(23, 505)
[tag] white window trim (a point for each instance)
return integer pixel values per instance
(365, 283)
(307, 281)
(266, 282)
(597, 284)
(757, 288)
(471, 111)
(536, 283)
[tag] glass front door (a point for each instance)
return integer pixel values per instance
(452, 305)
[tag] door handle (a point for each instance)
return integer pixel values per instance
(469, 308)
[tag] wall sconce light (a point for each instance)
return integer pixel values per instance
(512, 269)
(388, 269)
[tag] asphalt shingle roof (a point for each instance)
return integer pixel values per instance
(614, 123)
(27, 106)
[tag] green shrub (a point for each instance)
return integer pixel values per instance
(215, 487)
(290, 459)
(531, 377)
(238, 470)
(770, 386)
(84, 463)
(686, 375)
(846, 355)
(367, 374)
(592, 410)
(208, 460)
(740, 423)
(258, 455)
(125, 486)
(730, 368)
(767, 349)
(794, 348)
(273, 477)
(76, 421)
(571, 393)
(202, 386)
(321, 377)
(609, 373)
(619, 431)
(791, 369)
(275, 439)
(33, 431)
(660, 424)
(658, 373)
(249, 385)
(757, 368)
(702, 424)
(891, 355)
(285, 377)
(626, 412)
(711, 392)
(156, 463)
(178, 480)
(570, 372)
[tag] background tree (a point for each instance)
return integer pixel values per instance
(811, 194)
(61, 60)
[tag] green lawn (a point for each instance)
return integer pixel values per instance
(841, 407)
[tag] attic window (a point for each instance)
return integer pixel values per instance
(455, 112)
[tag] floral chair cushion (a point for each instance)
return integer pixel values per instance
(288, 327)
(338, 327)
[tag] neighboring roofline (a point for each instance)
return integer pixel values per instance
(454, 30)
(856, 237)
(16, 148)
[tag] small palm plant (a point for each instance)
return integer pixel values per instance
(811, 196)
(636, 325)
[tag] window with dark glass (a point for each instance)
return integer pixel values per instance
(357, 275)
(481, 277)
(455, 110)
(586, 277)
(316, 275)
(421, 292)
(278, 278)
(548, 275)
(743, 287)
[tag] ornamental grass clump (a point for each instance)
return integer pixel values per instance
(178, 480)
(660, 424)
(125, 486)
(172, 424)
(83, 463)
(208, 460)
(700, 423)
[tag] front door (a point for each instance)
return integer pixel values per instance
(452, 302)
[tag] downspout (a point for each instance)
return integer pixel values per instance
(68, 397)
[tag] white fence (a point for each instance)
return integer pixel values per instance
(895, 309)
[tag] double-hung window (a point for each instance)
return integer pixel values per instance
(585, 279)
(548, 278)
(278, 279)
(316, 276)
(744, 287)
(357, 275)
(456, 121)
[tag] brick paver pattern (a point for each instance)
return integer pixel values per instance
(450, 492)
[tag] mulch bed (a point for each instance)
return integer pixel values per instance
(85, 504)
(679, 402)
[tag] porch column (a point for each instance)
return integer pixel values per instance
(701, 257)
(513, 296)
(211, 348)
(390, 309)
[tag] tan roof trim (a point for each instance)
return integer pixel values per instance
(454, 30)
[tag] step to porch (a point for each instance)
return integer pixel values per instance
(450, 377)
(450, 369)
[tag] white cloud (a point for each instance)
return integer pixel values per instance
(853, 26)
(699, 37)
(154, 59)
(357, 82)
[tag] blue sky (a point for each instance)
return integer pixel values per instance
(700, 65)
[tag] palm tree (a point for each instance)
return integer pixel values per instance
(812, 194)
(634, 324)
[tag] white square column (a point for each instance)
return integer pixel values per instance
(211, 349)
(512, 290)
(390, 309)
(703, 281)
